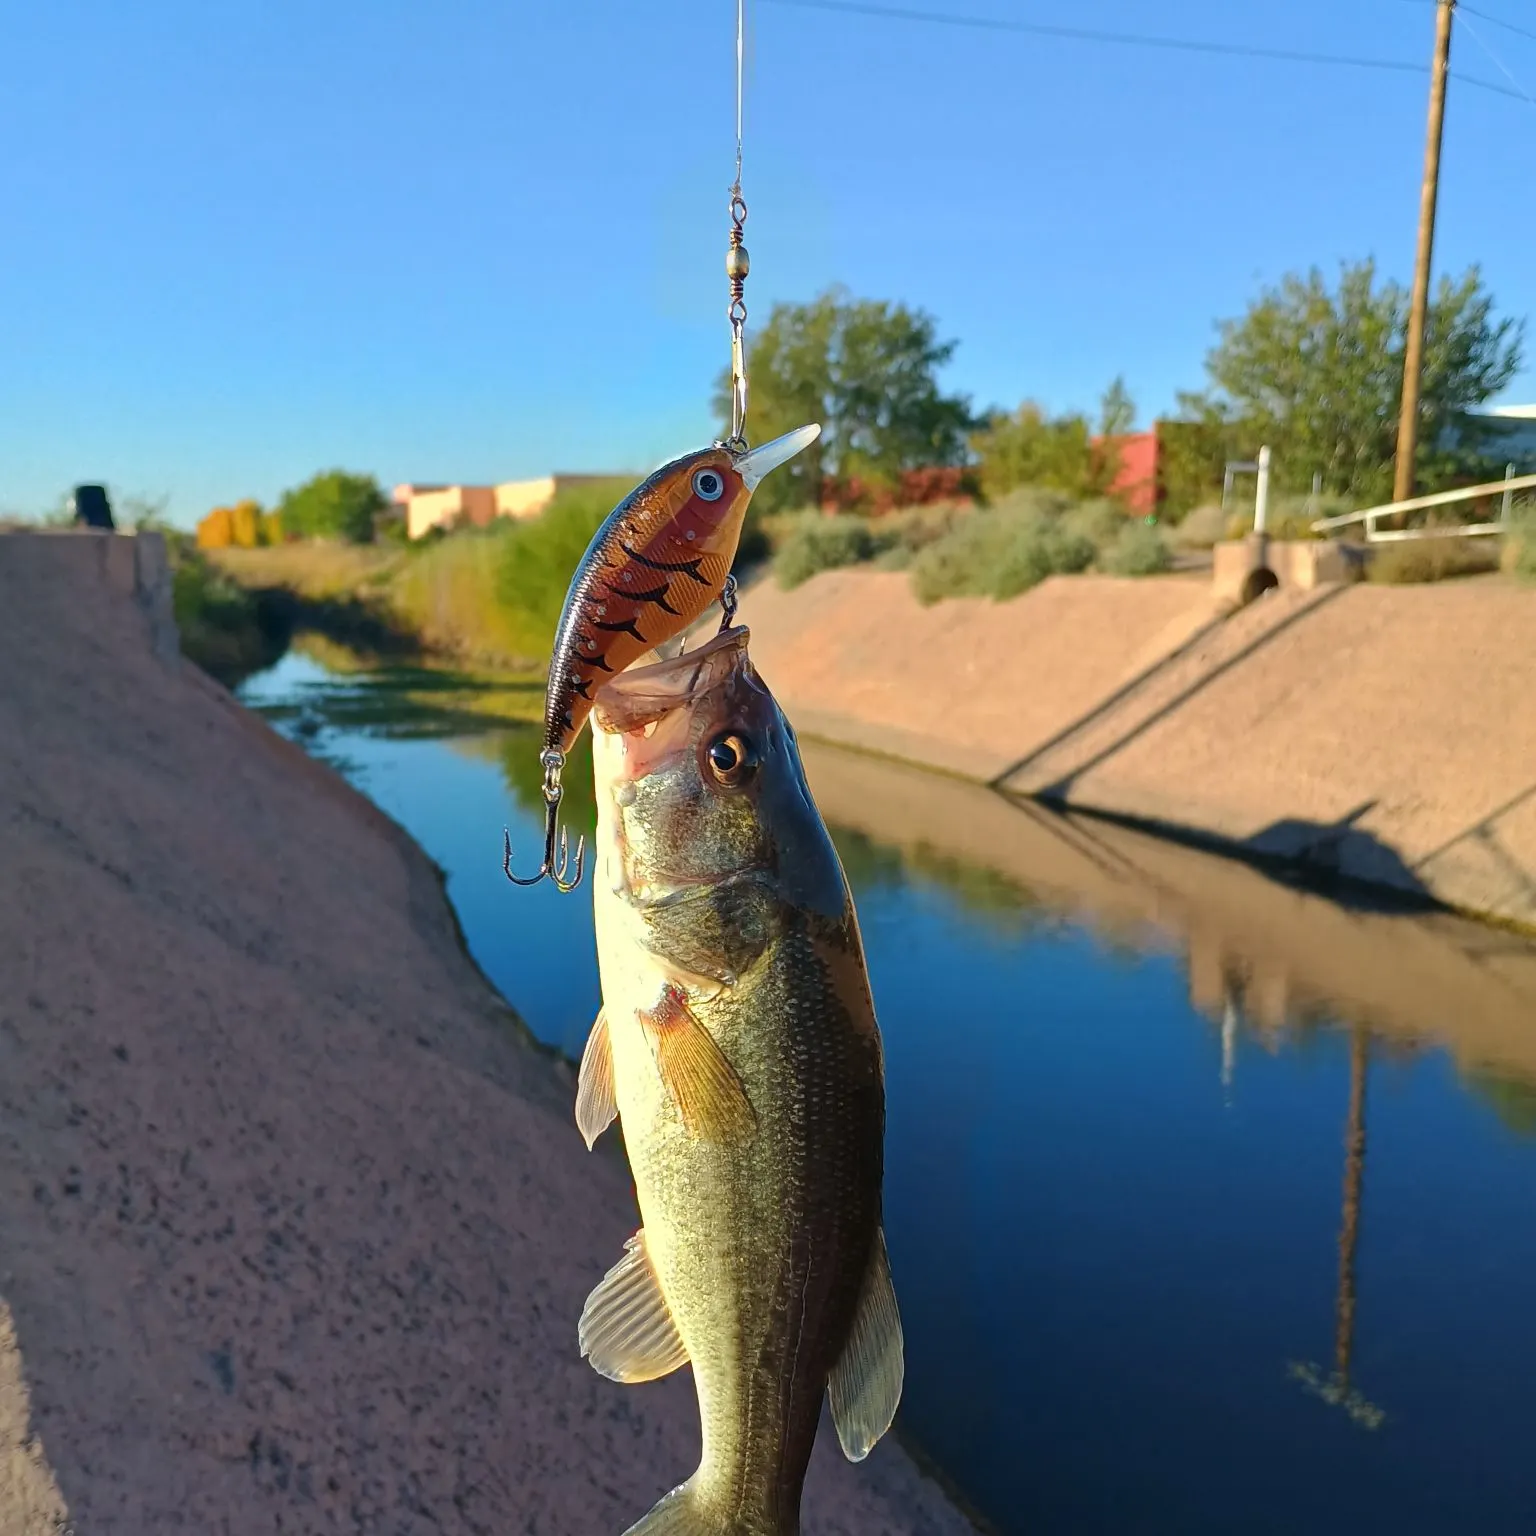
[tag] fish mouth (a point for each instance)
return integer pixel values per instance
(645, 720)
(642, 696)
(757, 462)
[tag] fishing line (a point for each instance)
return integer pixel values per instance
(737, 262)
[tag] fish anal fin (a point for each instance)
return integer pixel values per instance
(865, 1385)
(694, 1070)
(626, 1328)
(596, 1108)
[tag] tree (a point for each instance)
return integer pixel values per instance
(1028, 448)
(867, 371)
(333, 505)
(1317, 373)
(1117, 411)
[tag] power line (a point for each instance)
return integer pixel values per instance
(1133, 39)
(1477, 37)
(1497, 21)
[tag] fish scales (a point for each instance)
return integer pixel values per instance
(739, 1045)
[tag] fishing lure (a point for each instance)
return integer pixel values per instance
(659, 560)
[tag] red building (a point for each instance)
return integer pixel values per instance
(1136, 483)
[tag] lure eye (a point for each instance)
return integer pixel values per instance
(708, 484)
(732, 759)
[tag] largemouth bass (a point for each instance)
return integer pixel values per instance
(738, 1047)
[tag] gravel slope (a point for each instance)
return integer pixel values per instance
(295, 1225)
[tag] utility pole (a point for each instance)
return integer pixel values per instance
(1413, 358)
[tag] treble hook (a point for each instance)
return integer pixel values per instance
(556, 864)
(728, 604)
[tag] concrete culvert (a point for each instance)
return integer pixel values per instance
(1257, 582)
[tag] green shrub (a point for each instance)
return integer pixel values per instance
(998, 553)
(1037, 551)
(818, 543)
(1202, 528)
(1100, 522)
(536, 558)
(1137, 550)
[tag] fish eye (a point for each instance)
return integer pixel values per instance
(731, 758)
(708, 484)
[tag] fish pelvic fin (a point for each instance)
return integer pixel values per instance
(679, 1514)
(698, 1078)
(596, 1108)
(626, 1328)
(865, 1385)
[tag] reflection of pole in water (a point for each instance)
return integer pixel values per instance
(1229, 1018)
(1336, 1390)
(1349, 1230)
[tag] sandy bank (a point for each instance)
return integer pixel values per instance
(294, 1223)
(1384, 733)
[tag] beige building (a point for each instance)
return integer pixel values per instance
(447, 506)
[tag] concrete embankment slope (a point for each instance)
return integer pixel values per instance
(1386, 734)
(294, 1224)
(1277, 952)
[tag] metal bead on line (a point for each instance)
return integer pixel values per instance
(737, 264)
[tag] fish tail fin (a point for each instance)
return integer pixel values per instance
(680, 1514)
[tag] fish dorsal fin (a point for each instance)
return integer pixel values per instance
(626, 1328)
(595, 1106)
(865, 1386)
(698, 1078)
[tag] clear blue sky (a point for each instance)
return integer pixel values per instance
(244, 241)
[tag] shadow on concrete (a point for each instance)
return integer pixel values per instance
(1106, 705)
(1061, 789)
(1338, 859)
(1484, 835)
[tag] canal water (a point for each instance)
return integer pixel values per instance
(1211, 1201)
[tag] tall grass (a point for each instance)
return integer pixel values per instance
(495, 594)
(1415, 561)
(1520, 545)
(219, 621)
(491, 595)
(312, 570)
(538, 558)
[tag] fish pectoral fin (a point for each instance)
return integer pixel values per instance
(626, 1328)
(595, 1105)
(694, 1070)
(865, 1385)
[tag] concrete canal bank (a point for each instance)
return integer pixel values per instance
(1386, 734)
(294, 1223)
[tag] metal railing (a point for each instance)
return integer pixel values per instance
(1370, 516)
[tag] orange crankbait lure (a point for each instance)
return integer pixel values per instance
(660, 558)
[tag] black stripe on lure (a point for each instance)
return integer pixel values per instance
(660, 558)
